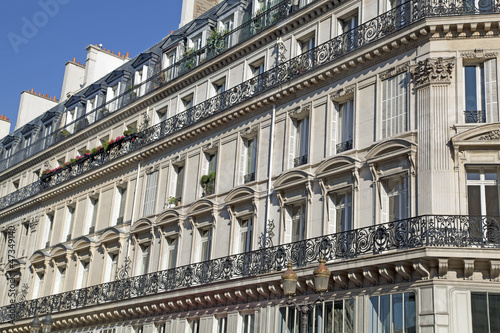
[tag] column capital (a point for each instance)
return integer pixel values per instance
(433, 70)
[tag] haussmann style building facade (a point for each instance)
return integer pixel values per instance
(170, 193)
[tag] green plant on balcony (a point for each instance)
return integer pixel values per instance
(130, 131)
(208, 183)
(188, 59)
(217, 41)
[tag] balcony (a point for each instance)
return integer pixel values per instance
(344, 146)
(478, 232)
(475, 117)
(298, 161)
(327, 53)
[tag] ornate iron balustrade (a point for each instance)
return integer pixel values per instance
(301, 160)
(416, 232)
(249, 177)
(475, 117)
(157, 79)
(397, 18)
(344, 146)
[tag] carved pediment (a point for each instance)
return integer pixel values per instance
(487, 134)
(343, 93)
(144, 57)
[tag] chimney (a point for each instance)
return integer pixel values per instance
(4, 126)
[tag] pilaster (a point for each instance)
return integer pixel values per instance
(432, 79)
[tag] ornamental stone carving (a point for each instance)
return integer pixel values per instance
(394, 71)
(431, 70)
(343, 93)
(478, 54)
(493, 135)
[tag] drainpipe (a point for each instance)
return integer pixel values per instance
(269, 174)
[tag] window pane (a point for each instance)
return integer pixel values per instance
(319, 318)
(397, 313)
(282, 328)
(373, 315)
(490, 174)
(494, 310)
(491, 200)
(479, 312)
(349, 316)
(474, 200)
(328, 317)
(470, 89)
(385, 313)
(338, 316)
(410, 313)
(473, 175)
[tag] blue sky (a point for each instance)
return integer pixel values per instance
(38, 37)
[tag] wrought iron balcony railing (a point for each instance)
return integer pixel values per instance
(417, 232)
(475, 117)
(298, 161)
(344, 146)
(396, 19)
(158, 78)
(249, 177)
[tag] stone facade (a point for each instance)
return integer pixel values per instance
(198, 177)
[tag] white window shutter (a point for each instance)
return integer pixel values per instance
(384, 203)
(335, 130)
(331, 214)
(243, 154)
(384, 108)
(404, 198)
(291, 143)
(491, 93)
(288, 224)
(150, 195)
(304, 145)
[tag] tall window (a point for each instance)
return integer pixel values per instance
(111, 267)
(187, 102)
(394, 109)
(169, 61)
(249, 158)
(6, 155)
(83, 274)
(112, 97)
(481, 95)
(306, 44)
(222, 325)
(326, 317)
(206, 241)
(27, 144)
(482, 191)
(209, 173)
(68, 224)
(92, 214)
(346, 27)
(485, 309)
(299, 135)
(59, 281)
(194, 325)
(248, 321)
(344, 126)
(246, 228)
(298, 226)
(119, 207)
(342, 210)
(392, 313)
(394, 199)
(150, 193)
(48, 229)
(143, 259)
(171, 252)
(38, 285)
(179, 172)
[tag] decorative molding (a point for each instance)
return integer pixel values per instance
(404, 271)
(468, 268)
(495, 270)
(340, 279)
(492, 135)
(212, 147)
(300, 112)
(387, 272)
(478, 54)
(431, 70)
(394, 71)
(371, 275)
(422, 268)
(343, 93)
(443, 268)
(356, 277)
(249, 132)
